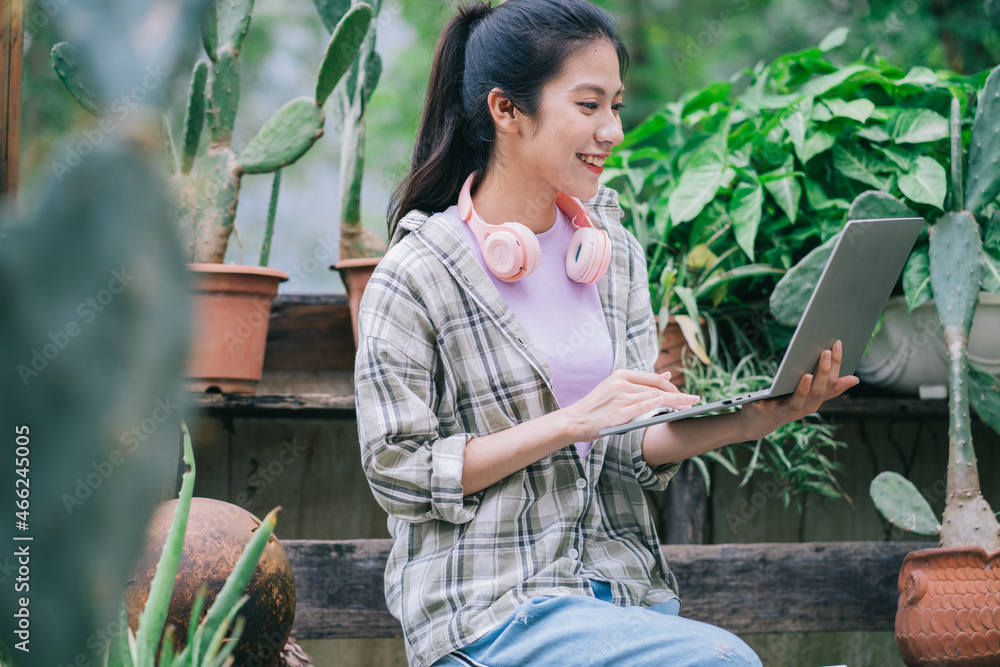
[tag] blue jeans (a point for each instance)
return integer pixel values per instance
(578, 630)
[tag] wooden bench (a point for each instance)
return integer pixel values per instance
(745, 588)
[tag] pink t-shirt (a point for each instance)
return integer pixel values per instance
(564, 318)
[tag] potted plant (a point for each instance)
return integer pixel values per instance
(944, 591)
(232, 303)
(360, 248)
(771, 160)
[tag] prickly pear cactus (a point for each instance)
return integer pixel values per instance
(955, 251)
(984, 149)
(209, 194)
(349, 105)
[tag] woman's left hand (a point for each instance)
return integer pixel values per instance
(762, 417)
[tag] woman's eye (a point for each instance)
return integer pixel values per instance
(589, 105)
(618, 107)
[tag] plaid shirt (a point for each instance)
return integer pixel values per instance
(442, 359)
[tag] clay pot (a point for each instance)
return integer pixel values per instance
(216, 535)
(232, 309)
(949, 608)
(355, 273)
(673, 348)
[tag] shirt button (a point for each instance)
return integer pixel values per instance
(581, 483)
(574, 554)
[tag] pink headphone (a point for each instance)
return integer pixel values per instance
(511, 250)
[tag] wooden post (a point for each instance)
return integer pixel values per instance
(684, 507)
(11, 52)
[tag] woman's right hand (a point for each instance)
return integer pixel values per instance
(621, 397)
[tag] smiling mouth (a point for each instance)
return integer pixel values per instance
(591, 159)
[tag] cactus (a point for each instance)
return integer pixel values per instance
(956, 260)
(901, 504)
(350, 103)
(208, 199)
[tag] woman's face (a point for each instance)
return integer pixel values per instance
(577, 122)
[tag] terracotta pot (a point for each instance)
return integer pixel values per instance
(949, 608)
(355, 273)
(673, 348)
(217, 532)
(232, 306)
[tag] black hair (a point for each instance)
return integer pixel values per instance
(518, 46)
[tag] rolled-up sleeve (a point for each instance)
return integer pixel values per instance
(414, 473)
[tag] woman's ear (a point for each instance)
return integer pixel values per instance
(505, 115)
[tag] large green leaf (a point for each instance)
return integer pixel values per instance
(745, 210)
(816, 143)
(983, 178)
(784, 188)
(827, 82)
(917, 126)
(874, 205)
(859, 110)
(917, 279)
(984, 392)
(698, 182)
(899, 501)
(858, 165)
(925, 183)
(791, 294)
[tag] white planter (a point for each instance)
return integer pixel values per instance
(909, 350)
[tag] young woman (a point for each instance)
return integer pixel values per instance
(490, 355)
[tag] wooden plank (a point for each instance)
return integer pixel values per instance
(310, 333)
(11, 52)
(336, 406)
(776, 587)
(342, 405)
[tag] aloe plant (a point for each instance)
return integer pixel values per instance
(350, 102)
(208, 185)
(207, 643)
(957, 264)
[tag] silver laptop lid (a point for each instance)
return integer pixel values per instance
(849, 297)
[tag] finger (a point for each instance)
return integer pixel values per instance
(679, 401)
(819, 382)
(836, 357)
(797, 400)
(842, 385)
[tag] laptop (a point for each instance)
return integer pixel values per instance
(848, 299)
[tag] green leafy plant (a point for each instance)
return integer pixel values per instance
(349, 104)
(730, 186)
(797, 456)
(208, 186)
(207, 644)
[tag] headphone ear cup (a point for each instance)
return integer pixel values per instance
(531, 249)
(588, 256)
(503, 252)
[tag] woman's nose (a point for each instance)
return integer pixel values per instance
(611, 131)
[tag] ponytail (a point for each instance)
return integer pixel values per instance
(518, 46)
